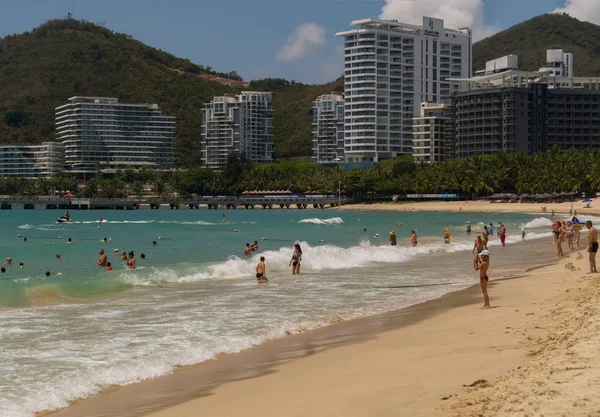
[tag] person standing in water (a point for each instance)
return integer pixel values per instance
(468, 228)
(592, 245)
(483, 264)
(261, 271)
(447, 236)
(247, 250)
(477, 249)
(296, 259)
(413, 238)
(131, 261)
(393, 238)
(486, 237)
(502, 234)
(102, 259)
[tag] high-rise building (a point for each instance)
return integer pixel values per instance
(390, 69)
(526, 112)
(328, 128)
(32, 161)
(101, 134)
(237, 123)
(559, 63)
(433, 134)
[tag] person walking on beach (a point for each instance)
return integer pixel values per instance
(413, 238)
(502, 234)
(393, 238)
(102, 259)
(261, 271)
(560, 236)
(446, 236)
(296, 259)
(592, 245)
(477, 249)
(483, 264)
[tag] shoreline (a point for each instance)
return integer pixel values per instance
(477, 206)
(201, 381)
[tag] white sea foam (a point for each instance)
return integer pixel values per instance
(540, 222)
(315, 220)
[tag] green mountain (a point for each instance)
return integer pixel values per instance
(532, 38)
(40, 69)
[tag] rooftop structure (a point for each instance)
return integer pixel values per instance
(505, 63)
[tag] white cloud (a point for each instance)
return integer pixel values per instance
(456, 14)
(306, 38)
(588, 10)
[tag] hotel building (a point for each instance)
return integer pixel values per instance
(390, 69)
(31, 161)
(526, 112)
(328, 129)
(433, 134)
(101, 134)
(237, 123)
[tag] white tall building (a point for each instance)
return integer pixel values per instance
(99, 133)
(328, 128)
(390, 69)
(559, 63)
(237, 123)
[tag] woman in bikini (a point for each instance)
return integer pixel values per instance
(296, 259)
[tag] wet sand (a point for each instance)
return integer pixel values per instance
(479, 206)
(413, 361)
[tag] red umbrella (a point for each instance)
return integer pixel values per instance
(69, 195)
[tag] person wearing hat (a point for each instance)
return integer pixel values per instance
(393, 239)
(482, 266)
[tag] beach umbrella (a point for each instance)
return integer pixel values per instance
(69, 195)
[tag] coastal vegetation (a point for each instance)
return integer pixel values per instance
(549, 172)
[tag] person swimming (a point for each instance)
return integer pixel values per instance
(47, 273)
(108, 267)
(131, 260)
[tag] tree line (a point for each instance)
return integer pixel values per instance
(552, 171)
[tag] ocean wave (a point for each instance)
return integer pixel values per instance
(315, 220)
(538, 223)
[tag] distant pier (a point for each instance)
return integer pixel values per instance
(210, 202)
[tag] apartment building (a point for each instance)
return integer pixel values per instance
(101, 134)
(44, 160)
(390, 69)
(240, 123)
(328, 129)
(527, 112)
(433, 133)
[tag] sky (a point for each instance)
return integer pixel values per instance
(292, 39)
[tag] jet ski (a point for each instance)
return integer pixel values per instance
(63, 219)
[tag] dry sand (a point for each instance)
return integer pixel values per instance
(536, 353)
(475, 206)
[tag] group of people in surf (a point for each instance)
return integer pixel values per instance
(128, 258)
(261, 268)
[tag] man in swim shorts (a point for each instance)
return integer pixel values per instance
(592, 245)
(502, 234)
(261, 271)
(482, 266)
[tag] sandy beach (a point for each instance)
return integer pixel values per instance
(534, 353)
(479, 206)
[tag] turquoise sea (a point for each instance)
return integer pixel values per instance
(194, 296)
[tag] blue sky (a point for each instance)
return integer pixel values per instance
(248, 36)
